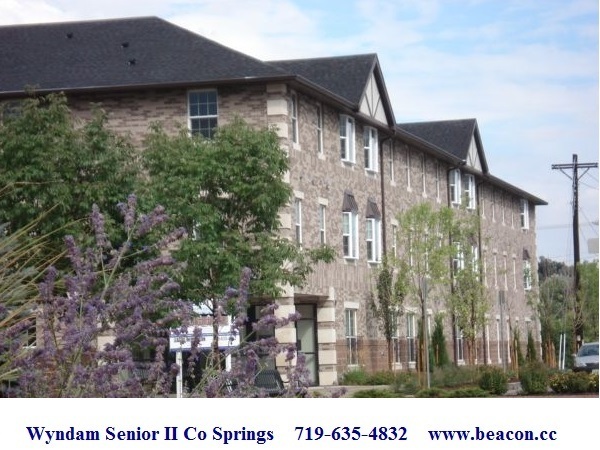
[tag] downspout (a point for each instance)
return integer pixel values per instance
(382, 189)
(480, 268)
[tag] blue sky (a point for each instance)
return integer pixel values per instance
(527, 70)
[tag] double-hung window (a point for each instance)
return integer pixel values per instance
(294, 115)
(411, 342)
(469, 188)
(351, 336)
(395, 241)
(373, 238)
(349, 227)
(373, 232)
(322, 227)
(350, 234)
(298, 220)
(203, 113)
(458, 259)
(455, 186)
(371, 148)
(524, 214)
(460, 345)
(527, 274)
(347, 139)
(319, 126)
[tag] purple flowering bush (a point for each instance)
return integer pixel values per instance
(92, 319)
(115, 303)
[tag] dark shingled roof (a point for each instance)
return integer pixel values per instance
(144, 51)
(344, 76)
(453, 136)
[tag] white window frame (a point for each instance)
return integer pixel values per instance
(524, 204)
(460, 346)
(294, 116)
(347, 139)
(527, 278)
(350, 325)
(319, 126)
(371, 149)
(397, 358)
(458, 259)
(454, 185)
(470, 190)
(475, 260)
(373, 240)
(350, 235)
(411, 339)
(395, 240)
(298, 220)
(322, 224)
(204, 113)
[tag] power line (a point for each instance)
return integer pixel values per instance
(575, 166)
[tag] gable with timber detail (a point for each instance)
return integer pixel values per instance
(372, 104)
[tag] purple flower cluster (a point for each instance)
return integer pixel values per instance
(103, 325)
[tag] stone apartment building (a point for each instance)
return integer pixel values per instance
(352, 168)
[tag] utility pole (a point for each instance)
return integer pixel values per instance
(575, 178)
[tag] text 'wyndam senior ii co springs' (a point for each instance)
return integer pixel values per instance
(189, 433)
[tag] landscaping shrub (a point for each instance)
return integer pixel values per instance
(573, 382)
(534, 378)
(406, 383)
(593, 387)
(375, 393)
(432, 393)
(356, 377)
(493, 380)
(381, 378)
(468, 393)
(452, 376)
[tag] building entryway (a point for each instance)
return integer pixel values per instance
(306, 335)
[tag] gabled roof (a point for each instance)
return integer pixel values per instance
(346, 77)
(326, 72)
(144, 51)
(453, 136)
(147, 52)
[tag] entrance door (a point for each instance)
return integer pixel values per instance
(306, 335)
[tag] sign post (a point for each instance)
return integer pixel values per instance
(180, 342)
